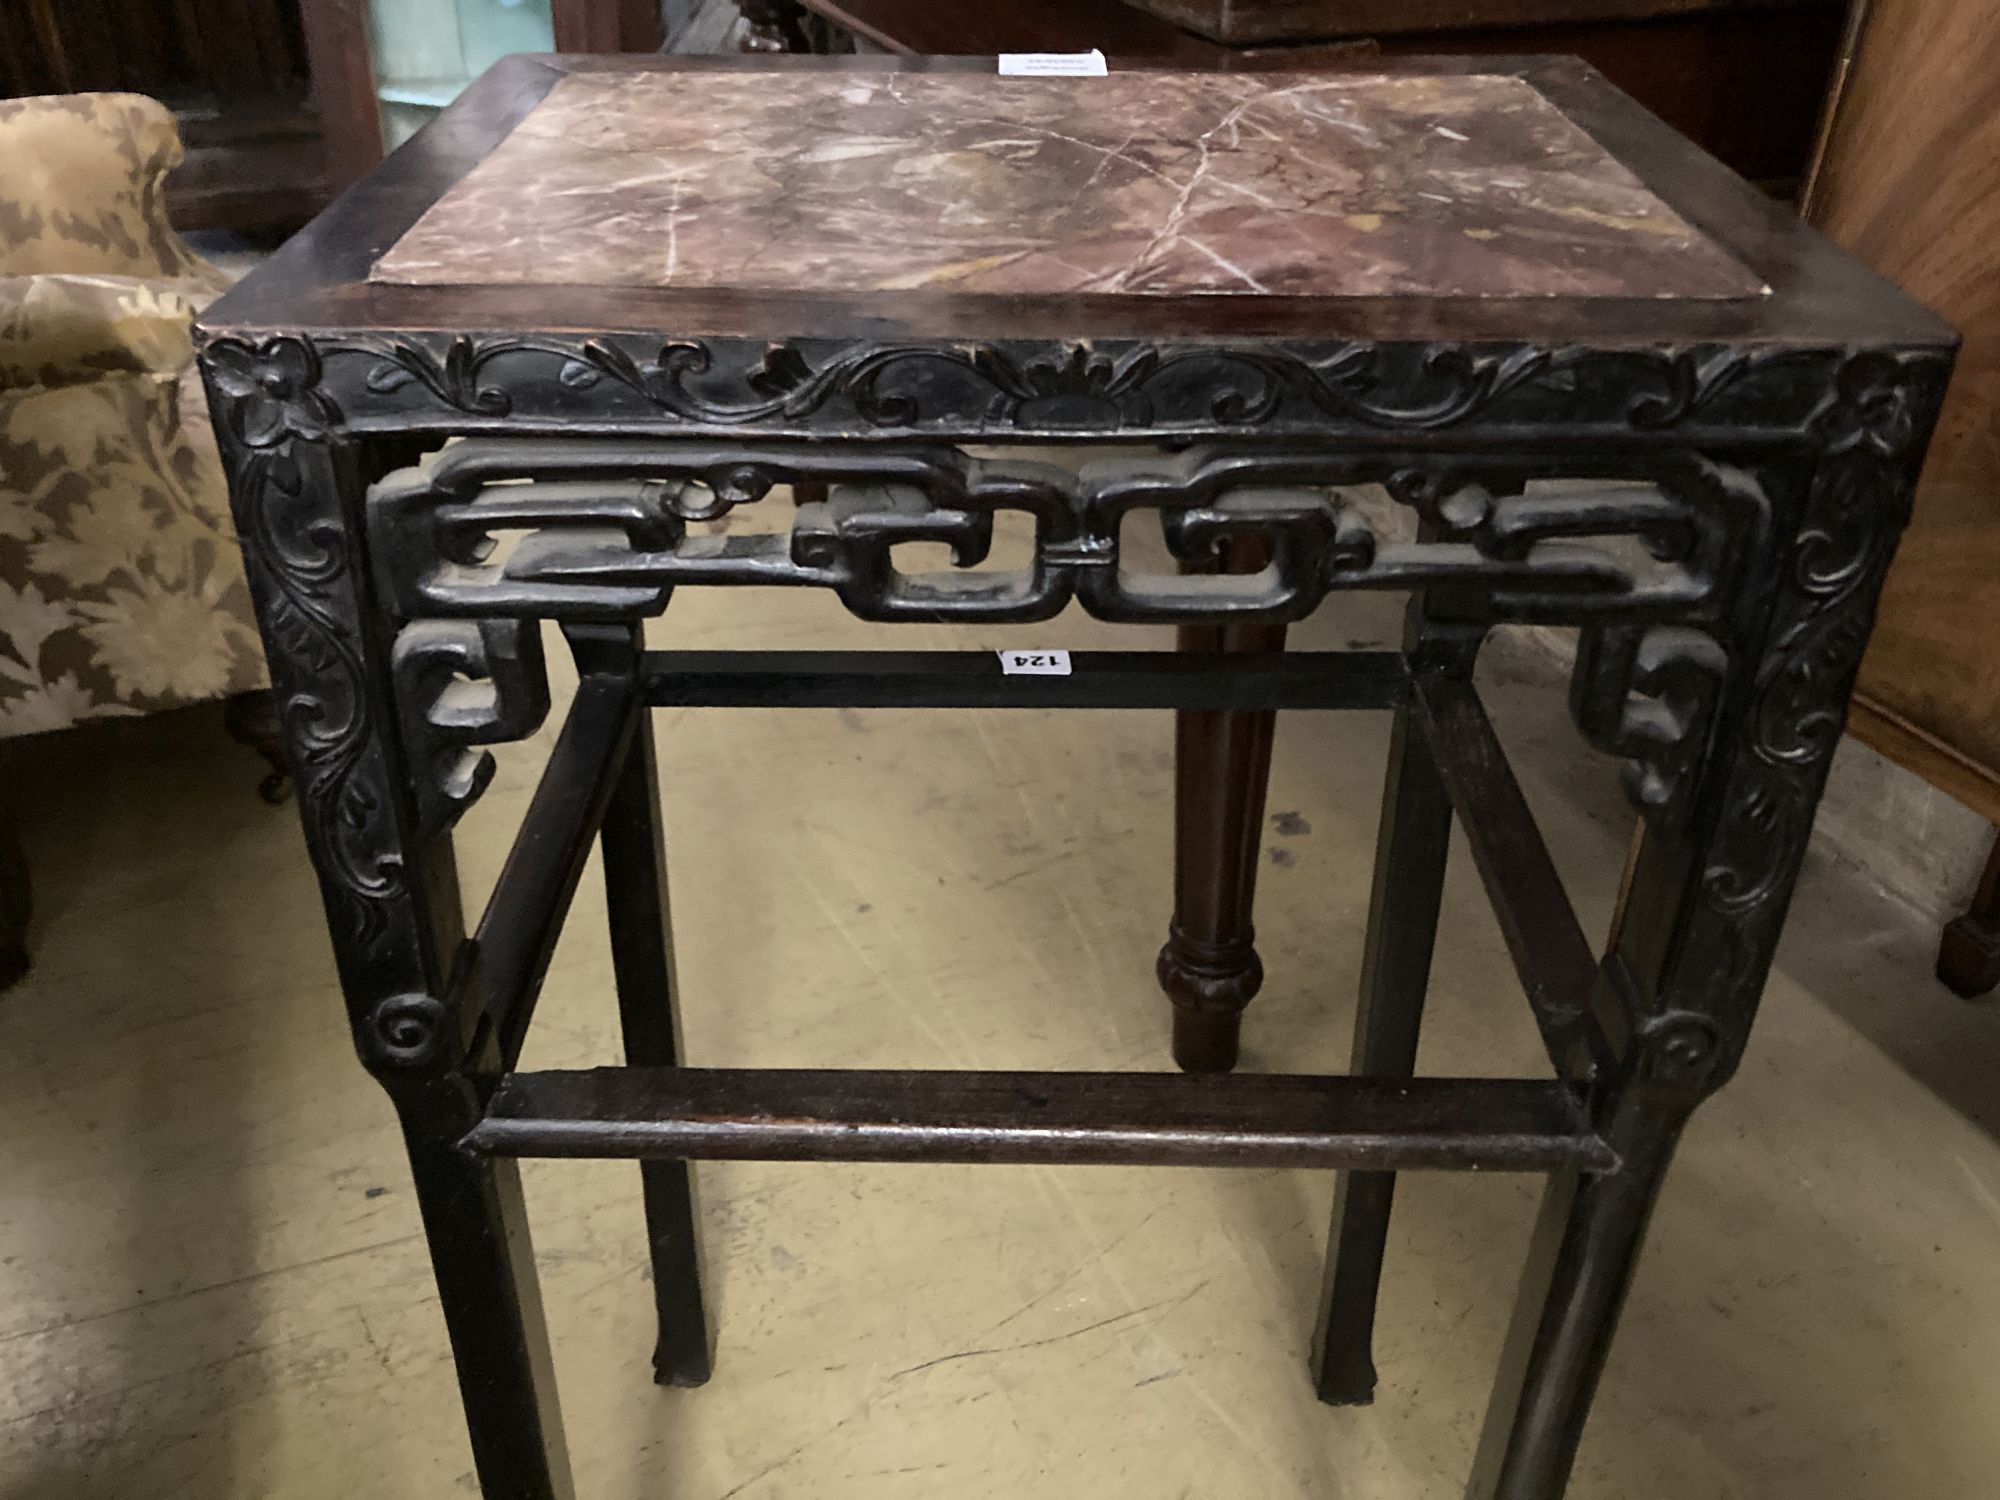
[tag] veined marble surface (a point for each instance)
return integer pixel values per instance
(1142, 183)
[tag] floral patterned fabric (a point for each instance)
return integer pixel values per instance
(121, 588)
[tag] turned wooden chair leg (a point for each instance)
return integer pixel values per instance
(1222, 761)
(252, 719)
(16, 906)
(1968, 961)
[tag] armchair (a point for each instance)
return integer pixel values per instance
(121, 588)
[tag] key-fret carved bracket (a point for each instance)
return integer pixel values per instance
(461, 684)
(488, 534)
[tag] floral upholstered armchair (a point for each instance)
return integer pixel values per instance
(121, 590)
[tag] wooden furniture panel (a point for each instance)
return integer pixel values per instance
(238, 75)
(1746, 84)
(1239, 22)
(607, 25)
(344, 78)
(1910, 182)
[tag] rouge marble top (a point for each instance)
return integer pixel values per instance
(1144, 183)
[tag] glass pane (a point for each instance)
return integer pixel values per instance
(428, 50)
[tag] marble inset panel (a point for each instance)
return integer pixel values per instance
(1144, 183)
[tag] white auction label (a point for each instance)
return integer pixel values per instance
(1034, 663)
(1053, 64)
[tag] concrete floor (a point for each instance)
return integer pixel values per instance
(212, 1282)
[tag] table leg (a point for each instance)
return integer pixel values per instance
(477, 1227)
(635, 881)
(1410, 851)
(1580, 1263)
(1222, 761)
(391, 892)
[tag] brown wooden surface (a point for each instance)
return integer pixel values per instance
(186, 53)
(254, 166)
(607, 25)
(1241, 21)
(1910, 183)
(343, 86)
(319, 281)
(234, 72)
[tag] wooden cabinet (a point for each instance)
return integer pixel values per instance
(390, 65)
(282, 103)
(236, 73)
(1242, 22)
(1744, 80)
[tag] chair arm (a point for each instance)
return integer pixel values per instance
(64, 330)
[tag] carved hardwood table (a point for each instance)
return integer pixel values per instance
(518, 375)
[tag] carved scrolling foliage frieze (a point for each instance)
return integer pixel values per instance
(1052, 386)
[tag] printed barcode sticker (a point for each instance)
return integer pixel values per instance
(1053, 64)
(1034, 663)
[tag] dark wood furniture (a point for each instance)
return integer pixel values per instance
(239, 75)
(1247, 21)
(1909, 181)
(1735, 408)
(1744, 81)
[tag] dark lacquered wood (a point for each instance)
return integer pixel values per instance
(484, 1261)
(974, 679)
(1557, 968)
(1411, 847)
(1581, 1260)
(640, 917)
(1163, 1119)
(517, 934)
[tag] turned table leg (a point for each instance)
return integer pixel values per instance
(1968, 961)
(1222, 761)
